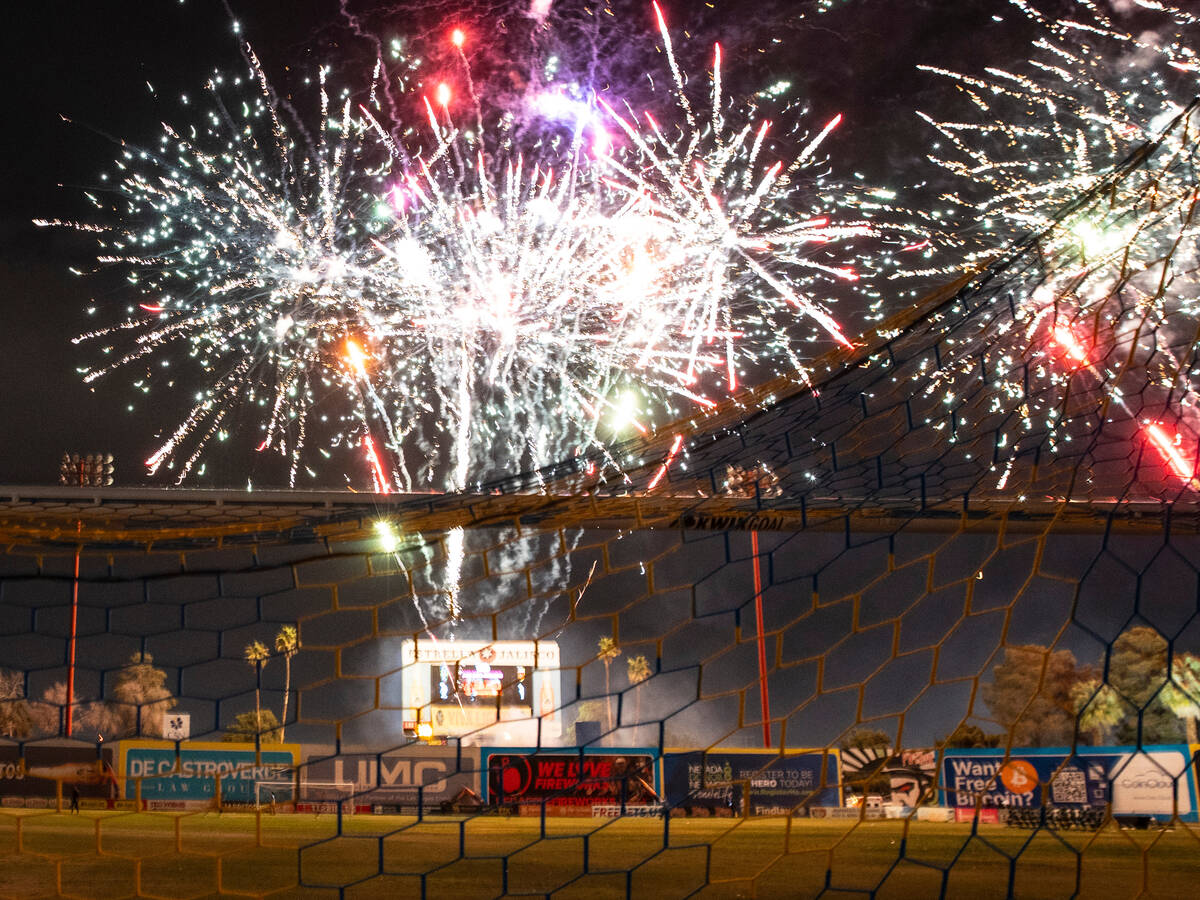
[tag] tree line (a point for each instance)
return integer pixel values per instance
(1039, 697)
(137, 702)
(1044, 698)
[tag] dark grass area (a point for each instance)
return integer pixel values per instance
(98, 854)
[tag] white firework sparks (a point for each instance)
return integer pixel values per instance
(1110, 322)
(474, 308)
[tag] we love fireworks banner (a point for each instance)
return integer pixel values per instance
(571, 778)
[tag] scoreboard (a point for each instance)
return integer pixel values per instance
(498, 690)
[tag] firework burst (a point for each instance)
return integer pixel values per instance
(1102, 347)
(460, 295)
(1044, 132)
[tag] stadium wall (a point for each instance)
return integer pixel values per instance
(756, 782)
(34, 771)
(570, 781)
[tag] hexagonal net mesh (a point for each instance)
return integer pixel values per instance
(923, 626)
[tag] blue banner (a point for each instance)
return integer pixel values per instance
(1151, 781)
(757, 782)
(192, 774)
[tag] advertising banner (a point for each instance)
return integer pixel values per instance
(172, 781)
(907, 774)
(602, 775)
(755, 782)
(414, 775)
(1154, 781)
(37, 772)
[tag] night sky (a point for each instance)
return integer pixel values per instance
(91, 62)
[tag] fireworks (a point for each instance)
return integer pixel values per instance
(1102, 344)
(1044, 132)
(462, 295)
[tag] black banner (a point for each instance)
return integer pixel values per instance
(36, 773)
(571, 779)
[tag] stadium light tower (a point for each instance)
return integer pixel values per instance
(91, 470)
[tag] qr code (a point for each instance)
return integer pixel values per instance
(1069, 786)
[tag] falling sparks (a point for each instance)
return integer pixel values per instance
(1169, 448)
(458, 306)
(378, 478)
(1099, 344)
(1066, 339)
(671, 454)
(1042, 133)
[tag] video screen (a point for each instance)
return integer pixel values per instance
(479, 683)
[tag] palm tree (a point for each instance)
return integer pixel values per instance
(1098, 707)
(287, 642)
(608, 650)
(257, 655)
(638, 670)
(1182, 693)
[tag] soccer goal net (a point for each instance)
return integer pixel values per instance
(927, 626)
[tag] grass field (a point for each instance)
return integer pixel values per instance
(106, 854)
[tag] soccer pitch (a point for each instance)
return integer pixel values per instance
(104, 854)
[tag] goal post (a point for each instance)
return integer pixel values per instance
(323, 796)
(268, 793)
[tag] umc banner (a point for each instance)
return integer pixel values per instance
(418, 775)
(1153, 781)
(571, 778)
(164, 779)
(753, 782)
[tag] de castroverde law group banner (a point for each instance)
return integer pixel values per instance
(166, 775)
